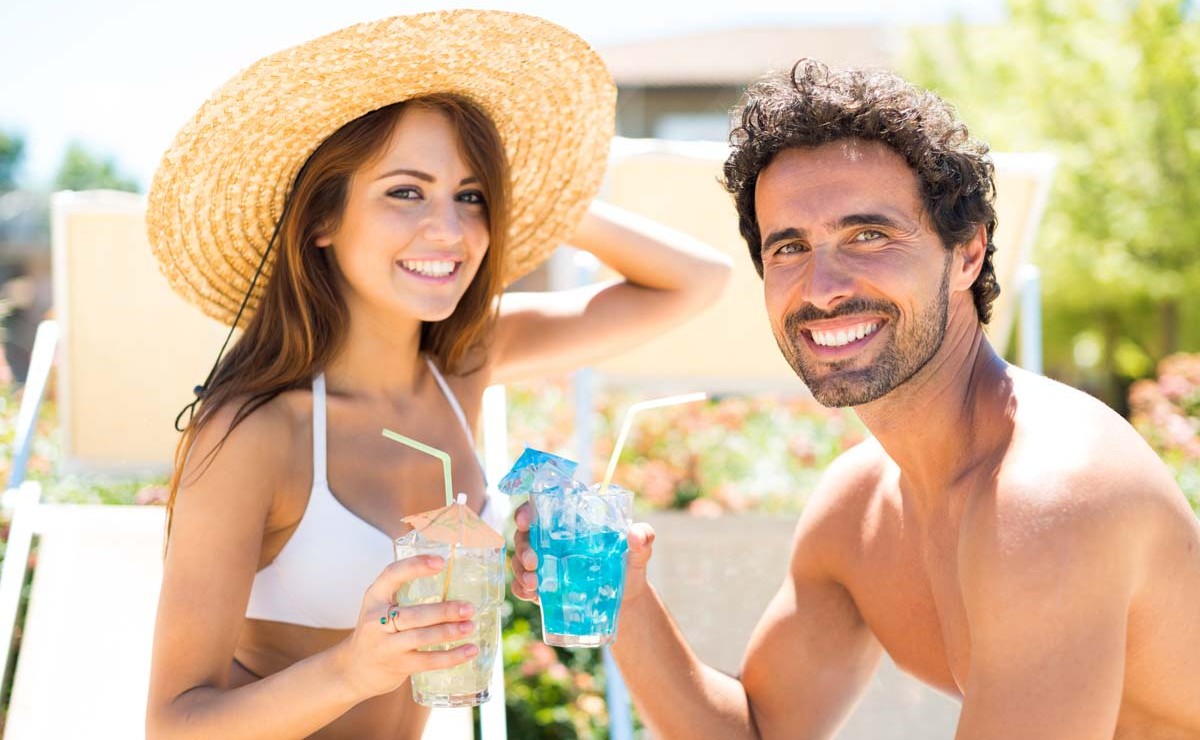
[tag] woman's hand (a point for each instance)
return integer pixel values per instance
(383, 651)
(524, 561)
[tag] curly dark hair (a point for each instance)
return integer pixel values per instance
(815, 105)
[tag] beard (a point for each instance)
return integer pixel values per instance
(840, 384)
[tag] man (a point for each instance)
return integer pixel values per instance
(1004, 538)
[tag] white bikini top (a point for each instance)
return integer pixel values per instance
(319, 577)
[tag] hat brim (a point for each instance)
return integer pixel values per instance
(221, 187)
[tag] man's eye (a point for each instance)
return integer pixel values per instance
(790, 248)
(867, 235)
(405, 193)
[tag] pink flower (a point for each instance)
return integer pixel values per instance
(152, 495)
(706, 508)
(592, 705)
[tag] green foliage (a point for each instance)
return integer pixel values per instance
(45, 444)
(83, 170)
(12, 151)
(1113, 89)
(550, 693)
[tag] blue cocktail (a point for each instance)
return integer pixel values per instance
(579, 535)
(580, 542)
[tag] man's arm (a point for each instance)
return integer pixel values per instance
(1048, 574)
(808, 660)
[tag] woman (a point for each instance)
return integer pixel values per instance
(349, 204)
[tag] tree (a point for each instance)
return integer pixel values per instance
(12, 151)
(83, 170)
(1113, 88)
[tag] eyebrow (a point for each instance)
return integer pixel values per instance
(867, 219)
(425, 176)
(789, 233)
(854, 219)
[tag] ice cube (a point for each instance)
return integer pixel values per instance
(612, 510)
(412, 539)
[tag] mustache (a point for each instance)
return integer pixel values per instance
(808, 312)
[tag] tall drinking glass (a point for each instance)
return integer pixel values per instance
(477, 576)
(580, 540)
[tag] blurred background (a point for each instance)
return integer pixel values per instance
(1107, 90)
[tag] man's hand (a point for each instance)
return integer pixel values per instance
(524, 561)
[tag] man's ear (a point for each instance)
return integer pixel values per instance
(968, 260)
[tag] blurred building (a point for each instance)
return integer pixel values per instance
(683, 87)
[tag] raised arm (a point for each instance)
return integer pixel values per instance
(666, 277)
(214, 551)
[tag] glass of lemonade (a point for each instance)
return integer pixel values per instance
(580, 540)
(476, 575)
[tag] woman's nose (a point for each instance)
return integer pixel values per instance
(443, 223)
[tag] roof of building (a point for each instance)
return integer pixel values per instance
(737, 56)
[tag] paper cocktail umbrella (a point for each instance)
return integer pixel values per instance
(455, 524)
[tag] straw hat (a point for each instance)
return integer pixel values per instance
(221, 186)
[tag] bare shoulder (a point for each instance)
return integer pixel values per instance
(1069, 449)
(239, 464)
(848, 508)
(1077, 485)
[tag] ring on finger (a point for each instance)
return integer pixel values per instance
(389, 616)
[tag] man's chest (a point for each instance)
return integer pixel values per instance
(909, 593)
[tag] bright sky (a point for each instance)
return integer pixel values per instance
(122, 76)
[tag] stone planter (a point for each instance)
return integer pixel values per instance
(717, 575)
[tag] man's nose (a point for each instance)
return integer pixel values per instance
(826, 281)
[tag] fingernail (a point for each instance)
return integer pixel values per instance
(466, 627)
(466, 610)
(435, 561)
(530, 580)
(472, 650)
(529, 560)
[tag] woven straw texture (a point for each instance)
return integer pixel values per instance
(221, 187)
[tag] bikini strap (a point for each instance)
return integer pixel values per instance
(446, 391)
(318, 417)
(458, 411)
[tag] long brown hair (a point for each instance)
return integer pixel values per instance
(301, 319)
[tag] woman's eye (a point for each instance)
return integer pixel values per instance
(474, 197)
(406, 193)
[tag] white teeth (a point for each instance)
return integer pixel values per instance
(842, 337)
(431, 268)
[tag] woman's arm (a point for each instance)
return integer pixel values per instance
(216, 538)
(667, 276)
